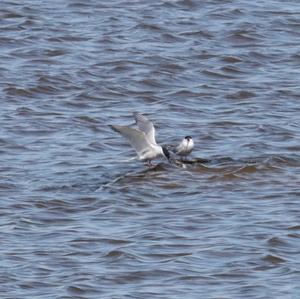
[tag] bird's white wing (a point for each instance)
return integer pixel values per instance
(181, 147)
(146, 126)
(136, 138)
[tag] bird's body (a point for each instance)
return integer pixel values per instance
(142, 139)
(185, 147)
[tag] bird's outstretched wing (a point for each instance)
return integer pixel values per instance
(146, 126)
(136, 138)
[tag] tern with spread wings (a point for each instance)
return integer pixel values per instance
(142, 139)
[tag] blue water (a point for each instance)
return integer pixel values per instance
(80, 219)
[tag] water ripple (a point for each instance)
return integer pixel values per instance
(80, 218)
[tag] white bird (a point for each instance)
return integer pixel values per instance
(143, 139)
(185, 147)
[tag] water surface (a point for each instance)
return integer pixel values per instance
(78, 220)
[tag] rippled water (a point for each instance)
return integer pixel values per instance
(78, 220)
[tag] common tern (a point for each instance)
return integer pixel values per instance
(143, 139)
(185, 147)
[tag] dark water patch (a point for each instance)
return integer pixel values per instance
(216, 74)
(197, 34)
(148, 27)
(244, 37)
(232, 69)
(138, 176)
(242, 94)
(12, 91)
(274, 260)
(7, 186)
(296, 227)
(276, 242)
(231, 59)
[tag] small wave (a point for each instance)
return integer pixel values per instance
(273, 259)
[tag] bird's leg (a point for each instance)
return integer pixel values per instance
(149, 164)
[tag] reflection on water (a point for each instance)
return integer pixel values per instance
(79, 219)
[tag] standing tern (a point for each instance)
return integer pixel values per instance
(143, 139)
(185, 147)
